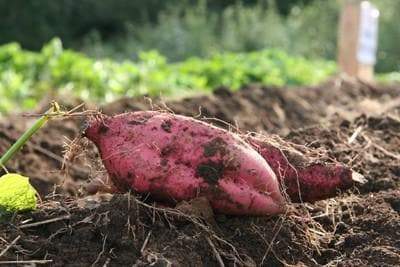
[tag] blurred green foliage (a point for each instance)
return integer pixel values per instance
(389, 78)
(26, 77)
(34, 22)
(389, 36)
(183, 28)
(309, 30)
(184, 31)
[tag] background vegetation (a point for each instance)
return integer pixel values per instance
(58, 71)
(179, 29)
(171, 47)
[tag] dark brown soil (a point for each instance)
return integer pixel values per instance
(353, 122)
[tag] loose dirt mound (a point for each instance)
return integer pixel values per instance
(348, 231)
(355, 123)
(276, 110)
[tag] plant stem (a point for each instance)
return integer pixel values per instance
(28, 134)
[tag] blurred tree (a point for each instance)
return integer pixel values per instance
(389, 36)
(34, 22)
(122, 28)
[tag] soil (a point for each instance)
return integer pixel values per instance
(353, 122)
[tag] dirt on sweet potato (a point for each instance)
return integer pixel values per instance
(161, 157)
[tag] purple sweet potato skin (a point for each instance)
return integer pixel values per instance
(175, 158)
(303, 181)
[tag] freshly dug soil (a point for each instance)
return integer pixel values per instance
(350, 121)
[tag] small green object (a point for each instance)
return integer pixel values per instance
(16, 193)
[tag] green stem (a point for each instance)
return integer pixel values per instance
(26, 136)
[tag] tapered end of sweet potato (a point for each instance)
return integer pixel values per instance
(317, 182)
(302, 177)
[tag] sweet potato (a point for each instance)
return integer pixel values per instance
(175, 158)
(303, 178)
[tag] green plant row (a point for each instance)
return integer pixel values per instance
(26, 77)
(389, 78)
